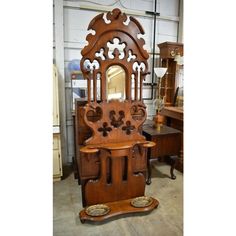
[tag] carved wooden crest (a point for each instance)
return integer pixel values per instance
(115, 41)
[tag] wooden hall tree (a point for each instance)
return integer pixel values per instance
(113, 161)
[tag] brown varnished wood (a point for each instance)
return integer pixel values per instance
(90, 163)
(168, 145)
(107, 32)
(88, 150)
(149, 144)
(116, 134)
(122, 145)
(118, 208)
(174, 117)
(117, 189)
(114, 159)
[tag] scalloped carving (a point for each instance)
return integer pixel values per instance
(120, 120)
(116, 19)
(117, 122)
(94, 115)
(131, 56)
(100, 54)
(137, 112)
(88, 65)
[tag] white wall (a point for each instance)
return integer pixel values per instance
(74, 27)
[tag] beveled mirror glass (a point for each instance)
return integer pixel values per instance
(115, 83)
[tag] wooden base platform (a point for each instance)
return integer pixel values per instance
(118, 208)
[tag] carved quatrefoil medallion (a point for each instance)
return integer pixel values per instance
(105, 129)
(128, 128)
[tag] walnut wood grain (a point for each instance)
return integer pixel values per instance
(113, 162)
(149, 144)
(118, 208)
(89, 150)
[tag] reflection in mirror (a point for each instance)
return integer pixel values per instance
(115, 83)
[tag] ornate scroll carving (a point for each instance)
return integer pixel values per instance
(116, 41)
(137, 112)
(94, 115)
(117, 122)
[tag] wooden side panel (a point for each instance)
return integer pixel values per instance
(118, 187)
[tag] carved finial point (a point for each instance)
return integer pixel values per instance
(116, 13)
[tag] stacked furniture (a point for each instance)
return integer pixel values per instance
(173, 114)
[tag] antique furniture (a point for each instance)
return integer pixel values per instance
(168, 52)
(113, 161)
(168, 141)
(57, 162)
(81, 133)
(174, 118)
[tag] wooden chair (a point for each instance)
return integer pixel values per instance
(113, 162)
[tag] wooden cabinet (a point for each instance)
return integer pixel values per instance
(168, 52)
(57, 163)
(57, 160)
(173, 115)
(174, 118)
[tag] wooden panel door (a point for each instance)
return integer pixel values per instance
(57, 163)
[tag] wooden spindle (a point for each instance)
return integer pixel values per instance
(94, 87)
(89, 88)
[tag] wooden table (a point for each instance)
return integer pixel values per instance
(174, 117)
(173, 112)
(168, 142)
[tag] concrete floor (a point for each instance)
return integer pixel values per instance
(166, 220)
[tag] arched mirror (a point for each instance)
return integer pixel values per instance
(115, 83)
